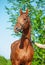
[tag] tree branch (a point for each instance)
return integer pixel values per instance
(40, 45)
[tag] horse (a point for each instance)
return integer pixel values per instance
(22, 50)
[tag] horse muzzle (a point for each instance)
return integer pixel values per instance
(17, 30)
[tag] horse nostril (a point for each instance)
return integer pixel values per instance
(16, 28)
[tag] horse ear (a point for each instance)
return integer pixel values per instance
(27, 11)
(21, 12)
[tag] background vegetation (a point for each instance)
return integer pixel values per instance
(4, 61)
(37, 16)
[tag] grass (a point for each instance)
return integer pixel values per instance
(4, 61)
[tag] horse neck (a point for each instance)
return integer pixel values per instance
(27, 32)
(25, 35)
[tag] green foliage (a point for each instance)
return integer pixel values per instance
(4, 61)
(37, 16)
(9, 62)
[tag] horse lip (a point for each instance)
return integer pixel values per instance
(18, 30)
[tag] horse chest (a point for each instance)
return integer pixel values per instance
(24, 55)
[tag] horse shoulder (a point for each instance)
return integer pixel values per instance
(14, 44)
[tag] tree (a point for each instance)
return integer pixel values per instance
(37, 16)
(40, 45)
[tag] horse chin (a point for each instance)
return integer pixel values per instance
(21, 31)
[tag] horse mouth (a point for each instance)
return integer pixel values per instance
(18, 30)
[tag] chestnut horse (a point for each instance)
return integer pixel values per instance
(21, 50)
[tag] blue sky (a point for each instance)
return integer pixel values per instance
(5, 34)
